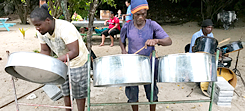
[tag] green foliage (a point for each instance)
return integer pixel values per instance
(239, 6)
(174, 1)
(23, 1)
(85, 39)
(110, 2)
(82, 7)
(36, 51)
(54, 7)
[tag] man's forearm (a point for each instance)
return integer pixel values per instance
(46, 52)
(72, 55)
(123, 47)
(115, 26)
(165, 42)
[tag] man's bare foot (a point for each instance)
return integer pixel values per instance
(101, 45)
(111, 45)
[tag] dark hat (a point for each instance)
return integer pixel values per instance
(207, 22)
(111, 12)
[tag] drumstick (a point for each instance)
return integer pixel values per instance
(224, 40)
(156, 55)
(145, 47)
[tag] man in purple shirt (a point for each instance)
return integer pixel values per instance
(141, 32)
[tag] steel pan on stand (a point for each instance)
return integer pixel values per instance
(37, 68)
(121, 70)
(151, 99)
(205, 44)
(232, 47)
(187, 67)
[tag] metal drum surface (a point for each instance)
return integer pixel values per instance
(187, 67)
(37, 68)
(232, 47)
(121, 70)
(205, 44)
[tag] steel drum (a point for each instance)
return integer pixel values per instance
(37, 68)
(232, 47)
(121, 70)
(187, 67)
(205, 44)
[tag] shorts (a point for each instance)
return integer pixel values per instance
(132, 92)
(79, 83)
(112, 33)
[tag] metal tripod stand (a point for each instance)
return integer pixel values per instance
(236, 71)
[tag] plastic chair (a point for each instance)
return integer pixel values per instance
(187, 48)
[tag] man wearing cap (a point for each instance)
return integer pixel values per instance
(114, 28)
(140, 32)
(207, 27)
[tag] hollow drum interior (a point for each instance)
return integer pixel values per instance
(37, 68)
(40, 75)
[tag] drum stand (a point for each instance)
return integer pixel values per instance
(63, 107)
(152, 84)
(236, 71)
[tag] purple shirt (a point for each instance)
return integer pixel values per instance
(137, 38)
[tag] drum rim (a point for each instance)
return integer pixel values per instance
(186, 54)
(225, 57)
(117, 55)
(238, 42)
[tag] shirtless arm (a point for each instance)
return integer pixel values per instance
(45, 49)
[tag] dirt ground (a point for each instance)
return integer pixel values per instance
(181, 35)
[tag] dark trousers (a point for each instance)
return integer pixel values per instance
(112, 32)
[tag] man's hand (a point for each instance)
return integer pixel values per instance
(109, 31)
(151, 42)
(105, 22)
(124, 52)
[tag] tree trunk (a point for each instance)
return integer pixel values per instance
(28, 4)
(202, 10)
(55, 9)
(214, 6)
(22, 10)
(65, 10)
(208, 9)
(93, 7)
(51, 7)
